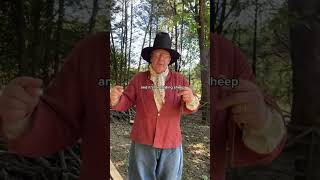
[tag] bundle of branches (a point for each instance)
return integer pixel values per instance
(64, 165)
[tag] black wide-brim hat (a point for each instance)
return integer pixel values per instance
(162, 41)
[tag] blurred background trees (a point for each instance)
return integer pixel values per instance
(37, 34)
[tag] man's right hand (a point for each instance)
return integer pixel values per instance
(115, 94)
(17, 102)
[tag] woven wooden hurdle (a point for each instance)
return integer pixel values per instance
(114, 173)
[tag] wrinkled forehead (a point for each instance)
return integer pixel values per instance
(162, 51)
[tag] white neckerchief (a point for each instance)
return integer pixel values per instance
(159, 83)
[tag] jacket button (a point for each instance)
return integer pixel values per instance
(158, 114)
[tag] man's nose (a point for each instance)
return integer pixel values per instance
(162, 57)
(161, 60)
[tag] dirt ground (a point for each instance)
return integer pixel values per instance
(196, 147)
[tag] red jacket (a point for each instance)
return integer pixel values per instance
(159, 129)
(227, 146)
(74, 107)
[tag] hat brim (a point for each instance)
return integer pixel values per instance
(146, 54)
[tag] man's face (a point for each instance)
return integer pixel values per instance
(159, 60)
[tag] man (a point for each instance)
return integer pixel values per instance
(247, 125)
(160, 96)
(71, 108)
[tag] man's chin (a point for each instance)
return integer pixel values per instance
(159, 71)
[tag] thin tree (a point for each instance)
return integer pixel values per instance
(92, 21)
(58, 35)
(175, 35)
(181, 34)
(255, 25)
(222, 16)
(122, 37)
(125, 41)
(203, 59)
(20, 30)
(146, 32)
(36, 7)
(131, 27)
(47, 60)
(114, 60)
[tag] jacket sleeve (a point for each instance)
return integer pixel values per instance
(243, 151)
(265, 140)
(56, 121)
(128, 97)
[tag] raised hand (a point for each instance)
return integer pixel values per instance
(115, 94)
(17, 102)
(187, 94)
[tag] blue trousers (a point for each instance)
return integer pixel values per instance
(149, 163)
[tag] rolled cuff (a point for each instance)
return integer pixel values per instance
(193, 105)
(267, 139)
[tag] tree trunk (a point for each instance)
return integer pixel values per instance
(222, 17)
(47, 59)
(107, 6)
(58, 35)
(125, 42)
(150, 29)
(145, 35)
(36, 36)
(181, 36)
(305, 54)
(92, 20)
(20, 30)
(214, 17)
(181, 28)
(122, 44)
(157, 24)
(254, 52)
(129, 58)
(203, 59)
(114, 69)
(176, 34)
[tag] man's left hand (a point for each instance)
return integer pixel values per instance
(247, 106)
